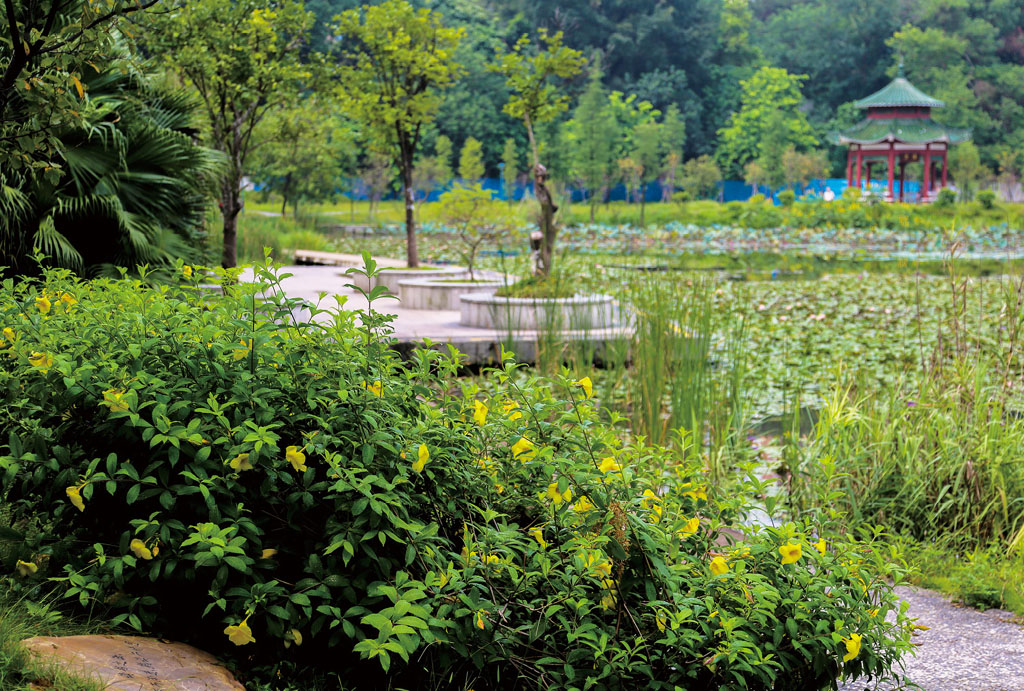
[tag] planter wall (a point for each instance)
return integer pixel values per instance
(579, 313)
(390, 278)
(432, 294)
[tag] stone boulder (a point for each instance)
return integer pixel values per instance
(135, 663)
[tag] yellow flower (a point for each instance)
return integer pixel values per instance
(114, 399)
(186, 271)
(9, 334)
(695, 494)
(598, 566)
(557, 497)
(538, 535)
(376, 388)
(852, 647)
(583, 505)
(422, 456)
(790, 553)
(41, 361)
(479, 412)
(653, 502)
(75, 495)
(140, 550)
(26, 568)
(268, 553)
(586, 385)
(510, 410)
(523, 450)
(608, 465)
(43, 303)
(68, 300)
(239, 353)
(480, 620)
(491, 559)
(820, 545)
(241, 462)
(295, 456)
(689, 529)
(719, 566)
(292, 635)
(608, 601)
(241, 634)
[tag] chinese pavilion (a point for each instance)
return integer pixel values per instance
(898, 128)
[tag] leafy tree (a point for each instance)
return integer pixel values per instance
(305, 152)
(535, 99)
(775, 142)
(427, 176)
(243, 60)
(802, 167)
(592, 133)
(471, 162)
(396, 59)
(510, 171)
(443, 160)
(769, 105)
(701, 176)
(754, 175)
(378, 174)
(674, 137)
(630, 172)
(648, 142)
(477, 219)
(967, 169)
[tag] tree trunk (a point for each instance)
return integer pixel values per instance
(547, 219)
(230, 206)
(409, 194)
(547, 206)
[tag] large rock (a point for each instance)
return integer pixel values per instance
(134, 663)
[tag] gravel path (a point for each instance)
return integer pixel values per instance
(963, 650)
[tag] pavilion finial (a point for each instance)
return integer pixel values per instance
(899, 71)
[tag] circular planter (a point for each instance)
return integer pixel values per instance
(390, 278)
(578, 313)
(432, 294)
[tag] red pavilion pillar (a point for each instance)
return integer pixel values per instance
(945, 166)
(926, 184)
(903, 176)
(892, 164)
(849, 167)
(860, 161)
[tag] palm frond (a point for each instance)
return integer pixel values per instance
(53, 244)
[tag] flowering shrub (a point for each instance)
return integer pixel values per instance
(207, 468)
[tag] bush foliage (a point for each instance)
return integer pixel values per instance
(208, 467)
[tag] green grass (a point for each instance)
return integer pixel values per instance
(21, 619)
(983, 578)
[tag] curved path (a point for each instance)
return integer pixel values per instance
(962, 650)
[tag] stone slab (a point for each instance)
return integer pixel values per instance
(135, 663)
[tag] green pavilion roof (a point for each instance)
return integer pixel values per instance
(908, 130)
(899, 93)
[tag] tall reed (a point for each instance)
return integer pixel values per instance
(686, 381)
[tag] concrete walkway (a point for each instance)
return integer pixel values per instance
(961, 650)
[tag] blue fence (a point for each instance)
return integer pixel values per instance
(728, 190)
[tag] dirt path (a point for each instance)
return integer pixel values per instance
(963, 650)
